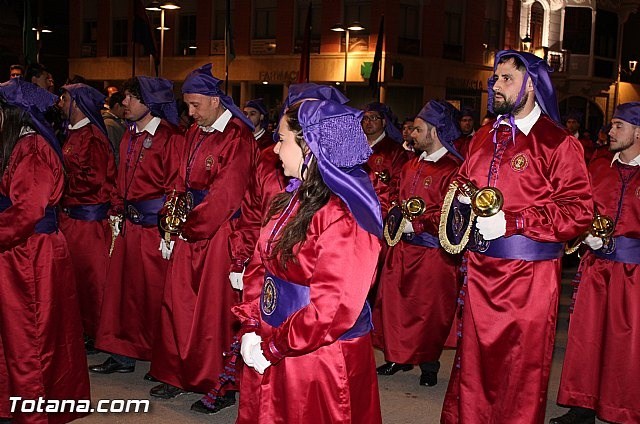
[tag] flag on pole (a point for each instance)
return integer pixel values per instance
(377, 60)
(305, 54)
(142, 32)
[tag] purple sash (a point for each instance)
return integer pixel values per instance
(47, 225)
(88, 212)
(280, 299)
(422, 239)
(144, 212)
(197, 196)
(621, 249)
(517, 247)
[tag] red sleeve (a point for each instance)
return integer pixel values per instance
(243, 239)
(87, 170)
(338, 290)
(31, 184)
(225, 193)
(569, 211)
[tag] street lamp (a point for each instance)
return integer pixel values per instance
(633, 64)
(161, 7)
(526, 43)
(39, 30)
(341, 28)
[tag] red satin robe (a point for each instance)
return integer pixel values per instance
(418, 285)
(91, 173)
(40, 327)
(135, 280)
(388, 157)
(265, 140)
(196, 321)
(602, 362)
(510, 306)
(315, 377)
(267, 180)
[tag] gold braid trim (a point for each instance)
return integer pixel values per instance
(454, 249)
(393, 241)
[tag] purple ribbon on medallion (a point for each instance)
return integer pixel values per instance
(622, 249)
(280, 299)
(518, 247)
(144, 212)
(88, 212)
(47, 225)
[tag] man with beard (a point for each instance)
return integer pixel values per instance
(602, 363)
(512, 266)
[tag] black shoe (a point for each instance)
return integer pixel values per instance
(110, 366)
(220, 403)
(149, 377)
(166, 391)
(391, 368)
(428, 378)
(576, 416)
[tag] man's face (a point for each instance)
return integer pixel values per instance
(134, 109)
(572, 125)
(507, 87)
(203, 109)
(466, 125)
(118, 110)
(254, 116)
(15, 73)
(42, 80)
(64, 103)
(423, 136)
(50, 82)
(623, 135)
(372, 124)
(407, 128)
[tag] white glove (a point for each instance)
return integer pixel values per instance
(492, 227)
(593, 242)
(466, 200)
(260, 362)
(247, 342)
(166, 250)
(408, 227)
(236, 280)
(115, 222)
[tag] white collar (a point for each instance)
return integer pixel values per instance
(633, 162)
(81, 123)
(377, 140)
(525, 124)
(259, 134)
(26, 130)
(151, 126)
(435, 156)
(576, 134)
(220, 124)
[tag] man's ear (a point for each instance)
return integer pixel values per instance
(529, 84)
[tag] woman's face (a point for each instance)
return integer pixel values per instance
(289, 151)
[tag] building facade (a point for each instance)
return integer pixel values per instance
(432, 48)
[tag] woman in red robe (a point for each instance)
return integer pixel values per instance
(40, 325)
(307, 336)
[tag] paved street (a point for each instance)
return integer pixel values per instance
(403, 400)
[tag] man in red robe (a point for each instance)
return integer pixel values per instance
(149, 155)
(257, 113)
(512, 274)
(42, 355)
(91, 173)
(602, 362)
(196, 324)
(418, 284)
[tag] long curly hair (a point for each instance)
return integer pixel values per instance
(313, 194)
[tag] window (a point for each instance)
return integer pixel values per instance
(536, 24)
(89, 29)
(409, 36)
(119, 27)
(301, 19)
(264, 22)
(186, 35)
(493, 24)
(577, 30)
(359, 11)
(219, 18)
(454, 18)
(605, 44)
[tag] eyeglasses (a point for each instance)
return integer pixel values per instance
(369, 118)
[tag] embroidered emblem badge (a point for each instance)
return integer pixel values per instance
(67, 150)
(147, 142)
(427, 181)
(379, 160)
(209, 162)
(519, 162)
(269, 299)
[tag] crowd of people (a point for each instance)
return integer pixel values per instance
(264, 265)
